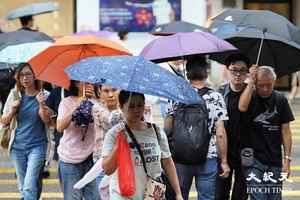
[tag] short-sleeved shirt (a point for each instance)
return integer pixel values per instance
(264, 118)
(153, 151)
(30, 131)
(216, 111)
(72, 147)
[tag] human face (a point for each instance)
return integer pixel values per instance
(110, 96)
(237, 73)
(26, 77)
(134, 110)
(265, 86)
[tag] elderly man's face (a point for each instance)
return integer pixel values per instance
(265, 86)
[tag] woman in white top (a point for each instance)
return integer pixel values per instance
(155, 149)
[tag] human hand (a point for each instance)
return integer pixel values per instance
(253, 74)
(286, 167)
(89, 91)
(225, 170)
(179, 197)
(41, 98)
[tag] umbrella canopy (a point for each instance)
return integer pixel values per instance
(275, 51)
(262, 20)
(181, 45)
(21, 37)
(49, 64)
(265, 43)
(22, 52)
(135, 74)
(32, 9)
(177, 27)
(103, 34)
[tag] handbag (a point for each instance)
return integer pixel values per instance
(155, 189)
(5, 131)
(126, 175)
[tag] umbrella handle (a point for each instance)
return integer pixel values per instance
(260, 46)
(83, 90)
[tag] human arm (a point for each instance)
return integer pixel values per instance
(246, 96)
(287, 147)
(221, 140)
(109, 152)
(44, 111)
(65, 113)
(10, 108)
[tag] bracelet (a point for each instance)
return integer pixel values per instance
(288, 158)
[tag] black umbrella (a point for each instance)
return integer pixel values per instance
(265, 37)
(22, 36)
(177, 27)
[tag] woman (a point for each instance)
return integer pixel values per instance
(156, 149)
(76, 146)
(28, 143)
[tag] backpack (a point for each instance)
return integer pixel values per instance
(190, 137)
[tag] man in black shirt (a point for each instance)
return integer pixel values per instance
(237, 66)
(268, 129)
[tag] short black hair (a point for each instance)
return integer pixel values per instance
(124, 96)
(196, 68)
(122, 34)
(73, 89)
(233, 58)
(25, 20)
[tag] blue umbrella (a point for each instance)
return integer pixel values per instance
(32, 9)
(135, 74)
(22, 52)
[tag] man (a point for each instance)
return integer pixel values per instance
(206, 172)
(268, 119)
(237, 67)
(27, 23)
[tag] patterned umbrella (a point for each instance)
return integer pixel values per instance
(135, 74)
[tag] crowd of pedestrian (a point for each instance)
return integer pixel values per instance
(234, 144)
(244, 123)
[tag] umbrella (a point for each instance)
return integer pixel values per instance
(253, 33)
(259, 19)
(49, 64)
(103, 34)
(32, 9)
(22, 52)
(182, 45)
(176, 27)
(21, 37)
(135, 74)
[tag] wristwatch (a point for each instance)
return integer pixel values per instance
(288, 158)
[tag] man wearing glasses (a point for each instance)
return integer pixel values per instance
(237, 67)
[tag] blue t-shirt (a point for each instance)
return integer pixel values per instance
(30, 130)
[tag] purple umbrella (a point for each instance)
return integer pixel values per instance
(182, 45)
(104, 34)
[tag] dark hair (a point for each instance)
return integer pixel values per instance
(25, 20)
(73, 89)
(233, 58)
(196, 68)
(124, 96)
(37, 83)
(122, 34)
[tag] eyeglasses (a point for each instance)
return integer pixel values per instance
(27, 75)
(238, 72)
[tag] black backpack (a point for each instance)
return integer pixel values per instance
(190, 137)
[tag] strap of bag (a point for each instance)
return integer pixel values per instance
(136, 144)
